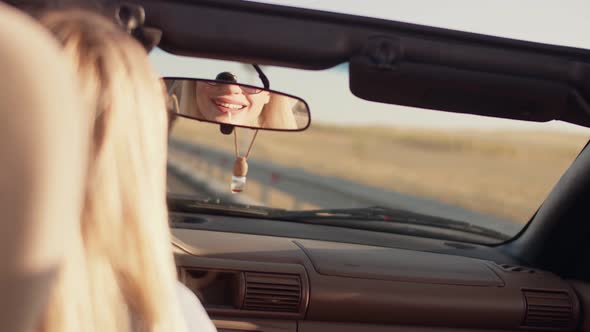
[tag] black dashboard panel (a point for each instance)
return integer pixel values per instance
(334, 284)
(333, 234)
(365, 262)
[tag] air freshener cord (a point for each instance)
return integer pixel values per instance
(249, 147)
(251, 144)
(236, 142)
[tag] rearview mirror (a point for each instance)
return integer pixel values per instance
(236, 104)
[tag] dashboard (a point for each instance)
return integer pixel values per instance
(254, 282)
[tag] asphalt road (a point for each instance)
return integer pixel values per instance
(186, 182)
(331, 192)
(178, 185)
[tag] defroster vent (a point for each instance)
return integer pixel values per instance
(272, 292)
(548, 309)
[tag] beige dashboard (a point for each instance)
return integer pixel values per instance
(265, 283)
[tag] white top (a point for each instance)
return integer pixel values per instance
(195, 316)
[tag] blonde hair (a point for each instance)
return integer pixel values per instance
(273, 114)
(121, 277)
(43, 162)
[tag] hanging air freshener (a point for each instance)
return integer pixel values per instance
(240, 169)
(238, 179)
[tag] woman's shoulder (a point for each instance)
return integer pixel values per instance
(195, 316)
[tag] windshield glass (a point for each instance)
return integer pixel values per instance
(488, 172)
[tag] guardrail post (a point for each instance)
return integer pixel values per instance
(207, 169)
(298, 204)
(264, 193)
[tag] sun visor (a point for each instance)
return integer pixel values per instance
(462, 79)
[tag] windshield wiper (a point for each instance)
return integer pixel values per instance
(181, 203)
(376, 218)
(389, 215)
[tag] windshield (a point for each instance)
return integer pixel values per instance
(488, 172)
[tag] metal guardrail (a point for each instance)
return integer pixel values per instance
(323, 191)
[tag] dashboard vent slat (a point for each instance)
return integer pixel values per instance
(277, 287)
(548, 309)
(516, 268)
(272, 292)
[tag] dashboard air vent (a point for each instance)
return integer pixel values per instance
(516, 268)
(548, 309)
(272, 292)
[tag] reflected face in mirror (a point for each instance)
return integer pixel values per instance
(237, 104)
(230, 103)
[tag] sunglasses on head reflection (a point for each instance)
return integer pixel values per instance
(245, 89)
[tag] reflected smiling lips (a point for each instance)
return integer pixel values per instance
(227, 105)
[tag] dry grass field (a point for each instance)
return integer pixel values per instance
(503, 173)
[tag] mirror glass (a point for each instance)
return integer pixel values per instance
(224, 102)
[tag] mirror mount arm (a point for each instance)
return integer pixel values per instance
(131, 18)
(226, 129)
(263, 78)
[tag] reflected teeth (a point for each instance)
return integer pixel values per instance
(231, 106)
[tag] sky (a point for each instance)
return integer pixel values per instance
(559, 22)
(554, 22)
